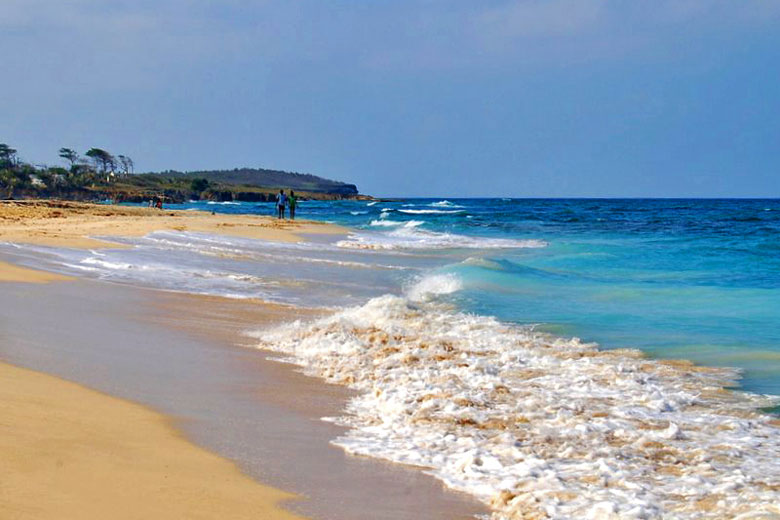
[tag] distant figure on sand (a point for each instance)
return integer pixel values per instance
(281, 201)
(293, 203)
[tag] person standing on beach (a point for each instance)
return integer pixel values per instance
(293, 203)
(281, 201)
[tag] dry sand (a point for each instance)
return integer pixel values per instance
(70, 452)
(71, 224)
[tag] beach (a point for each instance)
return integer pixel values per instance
(70, 452)
(71, 224)
(234, 335)
(176, 354)
(506, 260)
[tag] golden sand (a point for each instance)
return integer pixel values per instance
(72, 224)
(70, 452)
(15, 273)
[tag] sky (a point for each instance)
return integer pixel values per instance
(510, 98)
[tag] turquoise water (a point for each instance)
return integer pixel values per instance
(691, 279)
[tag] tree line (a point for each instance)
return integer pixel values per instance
(95, 167)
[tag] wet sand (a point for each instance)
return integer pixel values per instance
(178, 354)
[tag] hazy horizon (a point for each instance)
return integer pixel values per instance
(520, 99)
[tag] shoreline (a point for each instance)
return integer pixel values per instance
(658, 370)
(263, 416)
(72, 451)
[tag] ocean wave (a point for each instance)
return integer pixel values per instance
(106, 264)
(431, 211)
(411, 237)
(538, 426)
(358, 212)
(224, 203)
(445, 204)
(395, 223)
(237, 248)
(432, 286)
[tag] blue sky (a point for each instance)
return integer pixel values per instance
(539, 98)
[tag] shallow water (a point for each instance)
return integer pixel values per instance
(692, 279)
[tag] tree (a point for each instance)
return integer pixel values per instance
(17, 177)
(126, 163)
(7, 156)
(198, 185)
(7, 182)
(69, 155)
(102, 159)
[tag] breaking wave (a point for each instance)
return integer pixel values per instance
(394, 223)
(431, 211)
(407, 235)
(432, 286)
(445, 204)
(538, 426)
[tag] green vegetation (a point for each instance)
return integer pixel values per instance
(99, 175)
(259, 177)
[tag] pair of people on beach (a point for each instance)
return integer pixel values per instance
(282, 201)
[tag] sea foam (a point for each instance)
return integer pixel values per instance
(538, 426)
(432, 286)
(445, 204)
(431, 211)
(408, 235)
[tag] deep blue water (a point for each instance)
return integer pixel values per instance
(692, 279)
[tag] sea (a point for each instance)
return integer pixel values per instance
(575, 358)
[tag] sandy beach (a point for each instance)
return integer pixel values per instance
(14, 273)
(257, 420)
(70, 452)
(71, 224)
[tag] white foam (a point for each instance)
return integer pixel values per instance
(105, 264)
(358, 212)
(431, 211)
(411, 237)
(395, 223)
(538, 426)
(386, 223)
(445, 204)
(433, 285)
